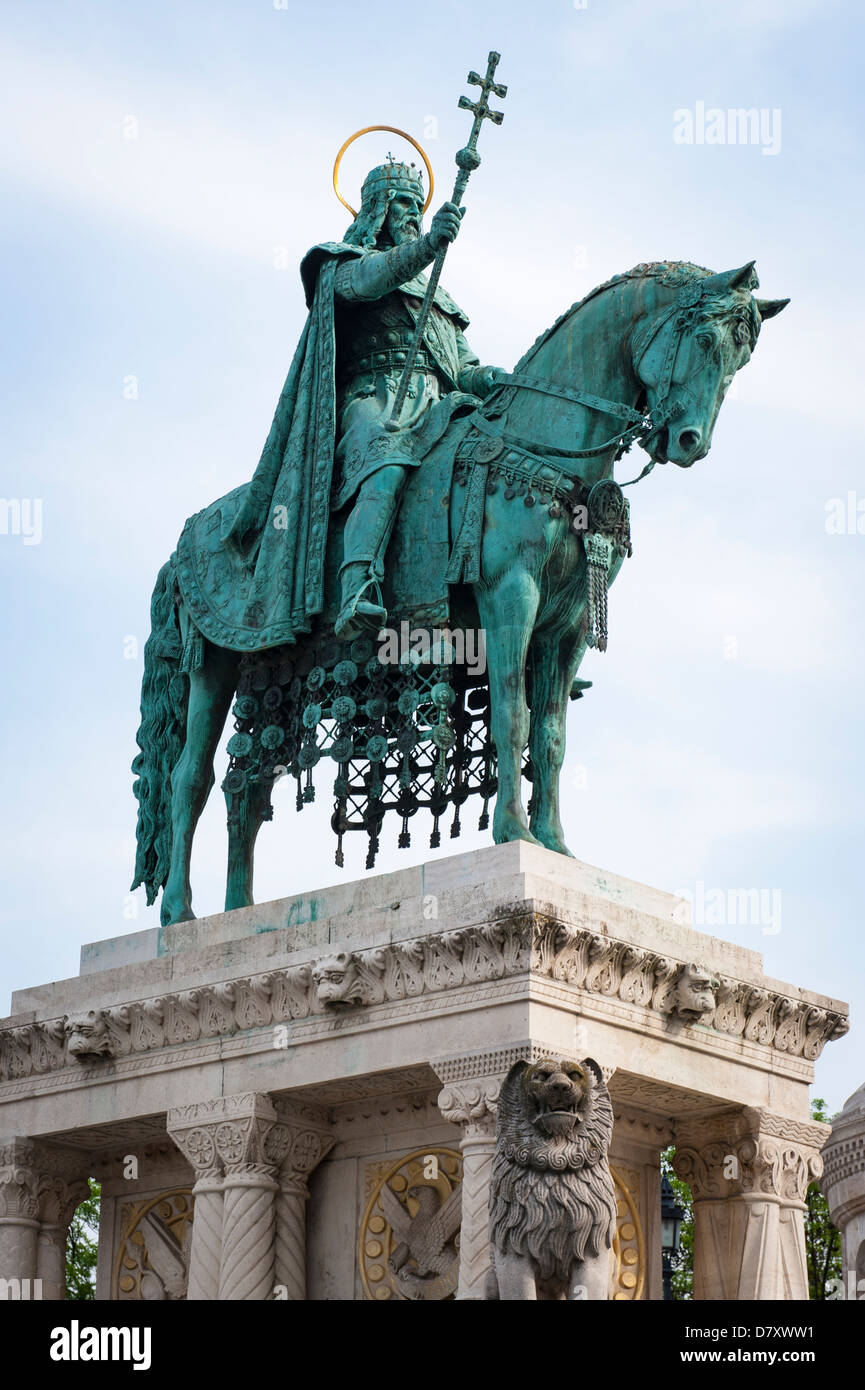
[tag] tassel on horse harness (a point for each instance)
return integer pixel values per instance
(600, 513)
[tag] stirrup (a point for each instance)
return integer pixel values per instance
(347, 625)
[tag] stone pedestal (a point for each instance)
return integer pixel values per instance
(844, 1189)
(269, 1094)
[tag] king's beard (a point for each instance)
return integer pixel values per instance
(398, 236)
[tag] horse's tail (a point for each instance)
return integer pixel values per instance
(161, 735)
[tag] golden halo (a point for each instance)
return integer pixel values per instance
(394, 130)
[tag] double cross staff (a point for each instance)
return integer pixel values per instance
(467, 159)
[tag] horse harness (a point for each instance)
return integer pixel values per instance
(599, 512)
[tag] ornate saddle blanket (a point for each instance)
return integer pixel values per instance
(218, 584)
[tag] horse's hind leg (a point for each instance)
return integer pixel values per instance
(507, 614)
(245, 814)
(210, 690)
(554, 665)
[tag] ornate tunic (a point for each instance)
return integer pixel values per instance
(372, 343)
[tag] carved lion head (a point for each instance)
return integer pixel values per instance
(556, 1095)
(555, 1112)
(334, 978)
(695, 992)
(87, 1034)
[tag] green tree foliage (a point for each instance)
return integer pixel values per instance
(683, 1261)
(822, 1240)
(81, 1247)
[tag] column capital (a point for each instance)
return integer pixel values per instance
(250, 1133)
(749, 1152)
(19, 1179)
(303, 1137)
(472, 1104)
(228, 1135)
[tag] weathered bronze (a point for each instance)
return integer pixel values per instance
(493, 504)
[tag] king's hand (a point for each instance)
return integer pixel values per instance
(445, 225)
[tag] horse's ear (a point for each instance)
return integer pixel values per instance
(770, 307)
(743, 278)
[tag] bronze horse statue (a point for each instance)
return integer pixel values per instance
(537, 532)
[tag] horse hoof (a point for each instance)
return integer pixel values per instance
(505, 834)
(556, 844)
(168, 917)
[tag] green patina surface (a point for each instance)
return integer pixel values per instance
(406, 488)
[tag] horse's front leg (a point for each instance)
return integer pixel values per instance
(555, 659)
(507, 610)
(210, 691)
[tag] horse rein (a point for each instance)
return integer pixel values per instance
(641, 426)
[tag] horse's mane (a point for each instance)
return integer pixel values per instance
(672, 273)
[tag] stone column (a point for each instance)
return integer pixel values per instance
(307, 1144)
(472, 1105)
(19, 1215)
(252, 1160)
(843, 1186)
(196, 1142)
(748, 1171)
(59, 1195)
(472, 1081)
(40, 1187)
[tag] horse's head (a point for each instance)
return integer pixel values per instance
(687, 353)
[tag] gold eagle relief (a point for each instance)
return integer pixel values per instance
(409, 1234)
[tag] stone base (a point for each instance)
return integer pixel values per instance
(331, 1044)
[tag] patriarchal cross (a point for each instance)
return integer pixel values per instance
(467, 159)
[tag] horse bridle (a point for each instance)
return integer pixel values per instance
(641, 426)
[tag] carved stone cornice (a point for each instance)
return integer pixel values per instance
(749, 1153)
(531, 943)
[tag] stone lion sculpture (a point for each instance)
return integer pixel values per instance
(552, 1203)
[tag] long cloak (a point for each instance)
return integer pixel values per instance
(269, 589)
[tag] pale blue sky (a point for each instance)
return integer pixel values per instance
(721, 743)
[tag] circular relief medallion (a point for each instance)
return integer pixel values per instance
(629, 1254)
(489, 449)
(409, 1235)
(606, 503)
(153, 1248)
(240, 745)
